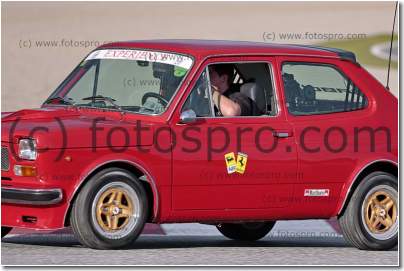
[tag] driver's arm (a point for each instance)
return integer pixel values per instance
(226, 106)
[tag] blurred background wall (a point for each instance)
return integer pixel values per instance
(43, 41)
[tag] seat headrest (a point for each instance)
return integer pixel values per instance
(256, 93)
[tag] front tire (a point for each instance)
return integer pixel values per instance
(370, 220)
(246, 231)
(5, 231)
(110, 211)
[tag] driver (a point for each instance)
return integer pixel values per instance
(226, 96)
(170, 77)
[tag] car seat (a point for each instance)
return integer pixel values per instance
(257, 95)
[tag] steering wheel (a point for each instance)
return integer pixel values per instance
(147, 95)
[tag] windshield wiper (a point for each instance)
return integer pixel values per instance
(103, 98)
(64, 100)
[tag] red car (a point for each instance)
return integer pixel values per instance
(132, 136)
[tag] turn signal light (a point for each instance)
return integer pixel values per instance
(25, 171)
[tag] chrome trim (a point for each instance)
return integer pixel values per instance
(188, 116)
(150, 180)
(274, 89)
(357, 175)
(212, 104)
(281, 134)
(32, 192)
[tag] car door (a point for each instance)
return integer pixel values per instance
(261, 148)
(325, 106)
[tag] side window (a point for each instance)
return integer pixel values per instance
(319, 89)
(199, 99)
(249, 84)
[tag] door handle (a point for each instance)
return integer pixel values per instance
(282, 134)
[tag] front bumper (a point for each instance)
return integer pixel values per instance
(31, 196)
(33, 208)
(39, 202)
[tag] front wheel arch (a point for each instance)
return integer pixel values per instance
(110, 211)
(151, 191)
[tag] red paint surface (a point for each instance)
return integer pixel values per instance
(188, 187)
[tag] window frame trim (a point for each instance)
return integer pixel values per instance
(197, 76)
(270, 68)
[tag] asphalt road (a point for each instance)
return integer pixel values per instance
(63, 249)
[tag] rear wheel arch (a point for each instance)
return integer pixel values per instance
(148, 185)
(387, 166)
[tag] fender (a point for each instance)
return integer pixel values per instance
(150, 180)
(341, 203)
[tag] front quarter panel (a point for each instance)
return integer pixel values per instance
(71, 170)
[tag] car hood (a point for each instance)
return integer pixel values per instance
(67, 127)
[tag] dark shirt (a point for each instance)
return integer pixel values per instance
(245, 103)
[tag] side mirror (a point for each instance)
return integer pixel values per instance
(188, 116)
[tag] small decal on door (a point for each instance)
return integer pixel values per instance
(316, 192)
(230, 162)
(241, 162)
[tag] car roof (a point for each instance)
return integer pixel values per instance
(205, 48)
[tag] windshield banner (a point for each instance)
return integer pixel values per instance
(138, 55)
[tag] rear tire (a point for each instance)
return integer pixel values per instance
(110, 211)
(370, 220)
(5, 231)
(246, 231)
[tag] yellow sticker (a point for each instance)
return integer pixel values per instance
(241, 162)
(230, 162)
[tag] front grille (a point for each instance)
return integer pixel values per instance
(5, 160)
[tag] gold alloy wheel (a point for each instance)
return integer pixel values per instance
(380, 212)
(114, 209)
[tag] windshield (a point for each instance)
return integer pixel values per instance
(123, 79)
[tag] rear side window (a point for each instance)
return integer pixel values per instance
(319, 89)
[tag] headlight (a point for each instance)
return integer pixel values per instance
(27, 149)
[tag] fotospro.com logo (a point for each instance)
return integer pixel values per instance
(204, 140)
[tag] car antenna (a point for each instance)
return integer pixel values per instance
(391, 48)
